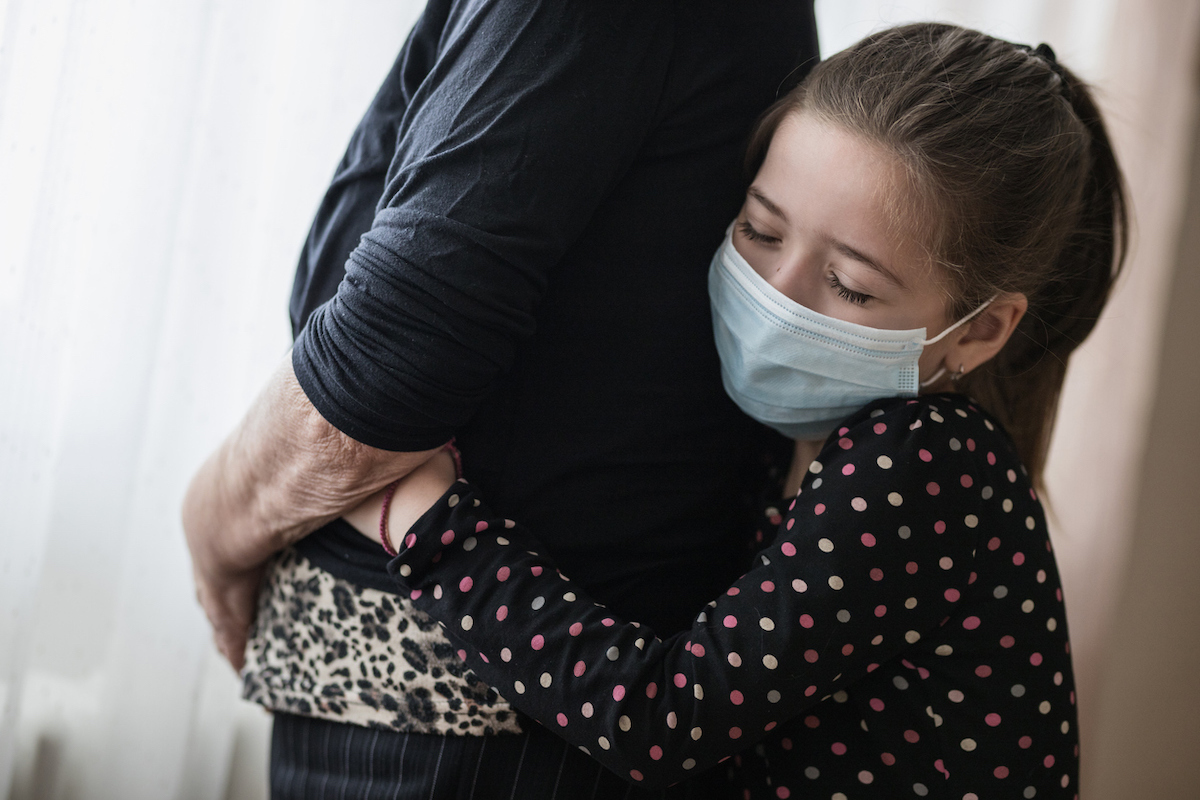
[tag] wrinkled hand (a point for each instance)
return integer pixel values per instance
(229, 598)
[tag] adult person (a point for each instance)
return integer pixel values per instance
(536, 187)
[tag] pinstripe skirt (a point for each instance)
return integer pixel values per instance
(316, 759)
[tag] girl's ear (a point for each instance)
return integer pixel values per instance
(986, 334)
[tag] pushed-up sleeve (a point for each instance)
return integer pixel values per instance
(870, 558)
(528, 117)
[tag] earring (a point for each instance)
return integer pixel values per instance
(958, 374)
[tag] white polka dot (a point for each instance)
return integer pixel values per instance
(920, 789)
(467, 622)
(405, 570)
(900, 682)
(773, 696)
(672, 720)
(1041, 576)
(1066, 726)
(816, 484)
(944, 650)
(506, 654)
(767, 624)
(613, 653)
(587, 710)
(876, 412)
(968, 744)
(1044, 706)
(936, 417)
(469, 543)
(799, 585)
(696, 734)
(604, 745)
(734, 660)
(960, 412)
(1027, 606)
(837, 796)
(1029, 523)
(955, 444)
(1018, 690)
(437, 592)
(770, 662)
(910, 603)
(987, 423)
(912, 637)
(835, 582)
(520, 687)
(895, 499)
(569, 597)
(689, 763)
(546, 680)
(625, 723)
(858, 504)
(1058, 679)
(453, 500)
(1000, 592)
(1007, 505)
(937, 720)
(812, 773)
(904, 532)
(843, 616)
(537, 603)
(500, 540)
(971, 520)
(840, 696)
(825, 545)
(640, 644)
(955, 697)
(878, 639)
(1052, 624)
(697, 691)
(815, 468)
(987, 493)
(1029, 793)
(946, 562)
(884, 462)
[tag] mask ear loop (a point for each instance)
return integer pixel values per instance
(925, 384)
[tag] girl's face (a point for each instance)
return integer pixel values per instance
(818, 224)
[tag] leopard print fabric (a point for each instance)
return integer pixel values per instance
(323, 647)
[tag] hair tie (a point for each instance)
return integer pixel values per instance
(1046, 53)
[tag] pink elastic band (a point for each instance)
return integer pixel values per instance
(384, 539)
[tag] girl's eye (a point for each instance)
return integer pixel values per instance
(846, 293)
(750, 233)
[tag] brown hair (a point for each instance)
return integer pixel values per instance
(1018, 188)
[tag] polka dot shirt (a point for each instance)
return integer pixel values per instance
(902, 633)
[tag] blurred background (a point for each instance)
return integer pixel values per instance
(159, 163)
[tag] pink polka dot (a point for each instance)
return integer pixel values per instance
(462, 655)
(911, 736)
(810, 691)
(983, 671)
(680, 680)
(733, 591)
(911, 568)
(868, 540)
(876, 574)
(618, 692)
(933, 488)
(847, 649)
(1048, 761)
(993, 543)
(971, 623)
(952, 595)
(991, 457)
(465, 584)
(1036, 659)
(992, 719)
(887, 758)
(872, 667)
(924, 673)
(848, 469)
(939, 527)
(876, 704)
(770, 726)
(1025, 742)
(656, 753)
(792, 521)
(966, 481)
(842, 431)
(607, 622)
(812, 721)
(941, 768)
(767, 586)
(562, 719)
(651, 690)
(502, 574)
(880, 428)
(698, 650)
(880, 610)
(580, 668)
(575, 629)
(806, 621)
(447, 537)
(735, 697)
(484, 658)
(1000, 772)
(411, 539)
(845, 443)
(838, 749)
(1007, 641)
(730, 621)
(481, 526)
(415, 594)
(925, 455)
(735, 733)
(865, 776)
(788, 549)
(818, 509)
(783, 793)
(536, 571)
(538, 642)
(1018, 558)
(637, 776)
(811, 656)
(501, 613)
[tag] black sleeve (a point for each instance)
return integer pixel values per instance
(529, 115)
(873, 556)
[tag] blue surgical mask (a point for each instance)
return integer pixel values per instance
(798, 371)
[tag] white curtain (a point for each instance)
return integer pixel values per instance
(159, 163)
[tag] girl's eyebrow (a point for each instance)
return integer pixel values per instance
(850, 252)
(757, 194)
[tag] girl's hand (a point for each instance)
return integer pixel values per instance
(415, 493)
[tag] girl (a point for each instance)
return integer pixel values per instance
(935, 223)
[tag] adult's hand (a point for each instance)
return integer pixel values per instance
(281, 474)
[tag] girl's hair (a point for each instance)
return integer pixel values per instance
(1016, 189)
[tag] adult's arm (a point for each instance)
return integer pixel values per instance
(281, 473)
(870, 560)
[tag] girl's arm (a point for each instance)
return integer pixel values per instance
(869, 560)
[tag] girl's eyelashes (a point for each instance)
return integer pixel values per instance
(753, 235)
(846, 293)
